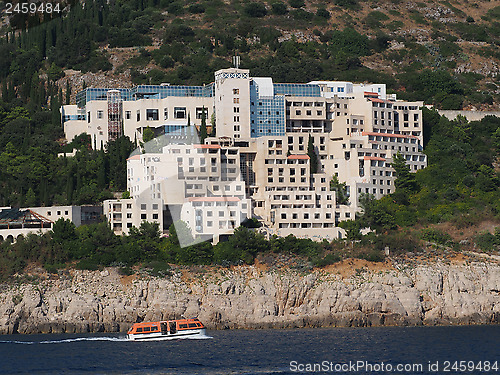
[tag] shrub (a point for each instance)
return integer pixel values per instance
(436, 236)
(374, 19)
(53, 268)
(279, 8)
(158, 268)
(372, 256)
(301, 14)
(87, 264)
(255, 10)
(328, 259)
(196, 8)
(323, 13)
(296, 3)
(487, 241)
(347, 3)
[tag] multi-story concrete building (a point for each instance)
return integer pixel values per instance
(356, 129)
(199, 184)
(15, 222)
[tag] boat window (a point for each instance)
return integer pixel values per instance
(181, 326)
(199, 324)
(191, 325)
(147, 329)
(154, 328)
(139, 330)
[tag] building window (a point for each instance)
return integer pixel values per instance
(100, 114)
(236, 109)
(143, 206)
(138, 115)
(165, 113)
(143, 216)
(236, 100)
(221, 213)
(155, 216)
(236, 91)
(152, 115)
(128, 115)
(199, 112)
(179, 112)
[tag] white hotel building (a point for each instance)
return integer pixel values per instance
(259, 153)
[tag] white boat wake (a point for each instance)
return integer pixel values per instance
(104, 338)
(63, 341)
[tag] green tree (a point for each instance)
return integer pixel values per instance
(203, 126)
(340, 189)
(352, 228)
(54, 72)
(405, 179)
(255, 10)
(313, 158)
(148, 135)
(147, 238)
(279, 8)
(30, 198)
(375, 215)
(241, 247)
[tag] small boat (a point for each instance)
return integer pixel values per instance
(166, 330)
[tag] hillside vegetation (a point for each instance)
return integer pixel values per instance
(444, 52)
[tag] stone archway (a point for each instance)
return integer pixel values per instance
(10, 238)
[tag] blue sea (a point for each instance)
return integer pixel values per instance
(395, 350)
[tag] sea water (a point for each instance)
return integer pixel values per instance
(395, 350)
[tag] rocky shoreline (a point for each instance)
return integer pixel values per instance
(351, 293)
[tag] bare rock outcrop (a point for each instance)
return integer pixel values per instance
(250, 297)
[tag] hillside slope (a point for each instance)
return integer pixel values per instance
(444, 52)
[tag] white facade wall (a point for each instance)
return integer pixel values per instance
(123, 214)
(232, 103)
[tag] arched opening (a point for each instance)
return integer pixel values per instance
(20, 237)
(1, 238)
(10, 238)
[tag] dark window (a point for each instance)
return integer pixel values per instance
(139, 329)
(192, 325)
(179, 112)
(147, 329)
(152, 115)
(181, 326)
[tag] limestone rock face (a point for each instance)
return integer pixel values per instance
(249, 297)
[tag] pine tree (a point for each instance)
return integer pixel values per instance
(213, 132)
(30, 198)
(203, 127)
(405, 180)
(68, 92)
(313, 162)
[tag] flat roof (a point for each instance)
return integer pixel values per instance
(213, 199)
(302, 157)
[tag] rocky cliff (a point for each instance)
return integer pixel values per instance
(355, 293)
